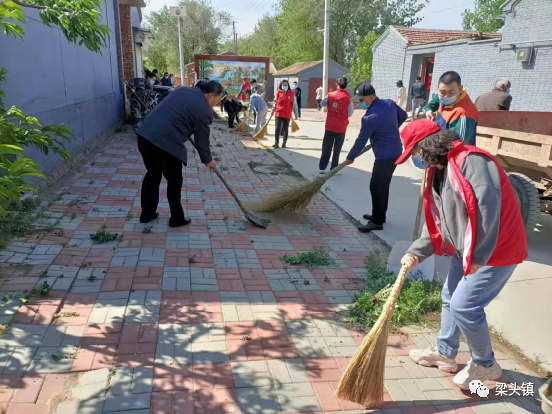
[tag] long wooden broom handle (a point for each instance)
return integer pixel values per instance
(397, 286)
(333, 172)
(219, 174)
(420, 208)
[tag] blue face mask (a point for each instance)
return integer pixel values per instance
(447, 101)
(284, 88)
(508, 90)
(362, 105)
(418, 162)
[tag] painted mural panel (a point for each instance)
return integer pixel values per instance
(230, 73)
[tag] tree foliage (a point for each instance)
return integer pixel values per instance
(79, 21)
(203, 30)
(361, 69)
(295, 33)
(485, 17)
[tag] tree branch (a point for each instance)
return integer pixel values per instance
(32, 6)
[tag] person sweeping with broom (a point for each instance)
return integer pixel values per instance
(472, 215)
(285, 105)
(340, 109)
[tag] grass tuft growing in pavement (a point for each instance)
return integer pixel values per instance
(317, 258)
(102, 236)
(418, 297)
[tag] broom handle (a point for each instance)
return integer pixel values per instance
(394, 295)
(344, 164)
(420, 208)
(219, 174)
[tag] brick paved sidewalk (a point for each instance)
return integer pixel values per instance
(201, 319)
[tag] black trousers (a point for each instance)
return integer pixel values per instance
(299, 107)
(333, 140)
(318, 104)
(160, 163)
(379, 188)
(222, 105)
(282, 128)
(231, 116)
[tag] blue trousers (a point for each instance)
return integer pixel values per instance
(464, 302)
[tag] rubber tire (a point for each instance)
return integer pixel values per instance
(528, 198)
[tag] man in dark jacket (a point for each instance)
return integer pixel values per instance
(166, 80)
(298, 94)
(499, 99)
(161, 137)
(417, 91)
(232, 108)
(381, 125)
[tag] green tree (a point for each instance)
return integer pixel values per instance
(361, 69)
(485, 17)
(300, 24)
(79, 20)
(203, 30)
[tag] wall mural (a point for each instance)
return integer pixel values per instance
(230, 73)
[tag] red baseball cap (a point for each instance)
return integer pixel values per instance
(414, 133)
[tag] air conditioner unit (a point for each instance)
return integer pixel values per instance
(524, 54)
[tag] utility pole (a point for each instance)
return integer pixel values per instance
(235, 38)
(326, 62)
(179, 12)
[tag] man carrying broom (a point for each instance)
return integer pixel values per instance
(258, 105)
(472, 214)
(381, 125)
(161, 137)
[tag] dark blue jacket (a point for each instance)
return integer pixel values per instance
(381, 125)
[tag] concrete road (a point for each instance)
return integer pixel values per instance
(521, 312)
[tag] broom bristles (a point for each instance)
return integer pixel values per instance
(362, 381)
(241, 126)
(262, 132)
(296, 198)
(294, 126)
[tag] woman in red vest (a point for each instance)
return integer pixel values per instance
(473, 216)
(245, 90)
(340, 108)
(285, 105)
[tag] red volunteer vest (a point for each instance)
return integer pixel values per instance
(338, 106)
(511, 247)
(284, 104)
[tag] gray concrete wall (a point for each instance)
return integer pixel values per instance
(531, 21)
(62, 83)
(480, 64)
(389, 65)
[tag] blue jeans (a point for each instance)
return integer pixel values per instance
(464, 301)
(418, 102)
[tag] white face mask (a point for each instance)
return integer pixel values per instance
(151, 82)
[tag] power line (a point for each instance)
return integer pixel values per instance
(450, 8)
(250, 7)
(254, 9)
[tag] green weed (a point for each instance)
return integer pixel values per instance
(418, 297)
(102, 236)
(317, 258)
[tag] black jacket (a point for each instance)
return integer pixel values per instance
(183, 113)
(298, 93)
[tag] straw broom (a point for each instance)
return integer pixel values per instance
(294, 126)
(241, 125)
(299, 197)
(262, 132)
(362, 381)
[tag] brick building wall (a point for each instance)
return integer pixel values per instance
(529, 21)
(126, 42)
(388, 65)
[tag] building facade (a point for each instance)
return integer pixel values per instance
(309, 77)
(480, 59)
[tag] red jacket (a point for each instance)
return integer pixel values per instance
(511, 246)
(338, 106)
(284, 104)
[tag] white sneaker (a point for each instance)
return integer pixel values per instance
(473, 372)
(322, 172)
(431, 357)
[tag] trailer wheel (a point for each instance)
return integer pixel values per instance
(528, 198)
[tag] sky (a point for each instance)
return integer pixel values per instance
(438, 14)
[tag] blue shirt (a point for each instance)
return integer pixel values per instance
(381, 124)
(256, 103)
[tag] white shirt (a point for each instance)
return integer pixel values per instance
(319, 92)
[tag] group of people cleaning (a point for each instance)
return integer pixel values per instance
(471, 210)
